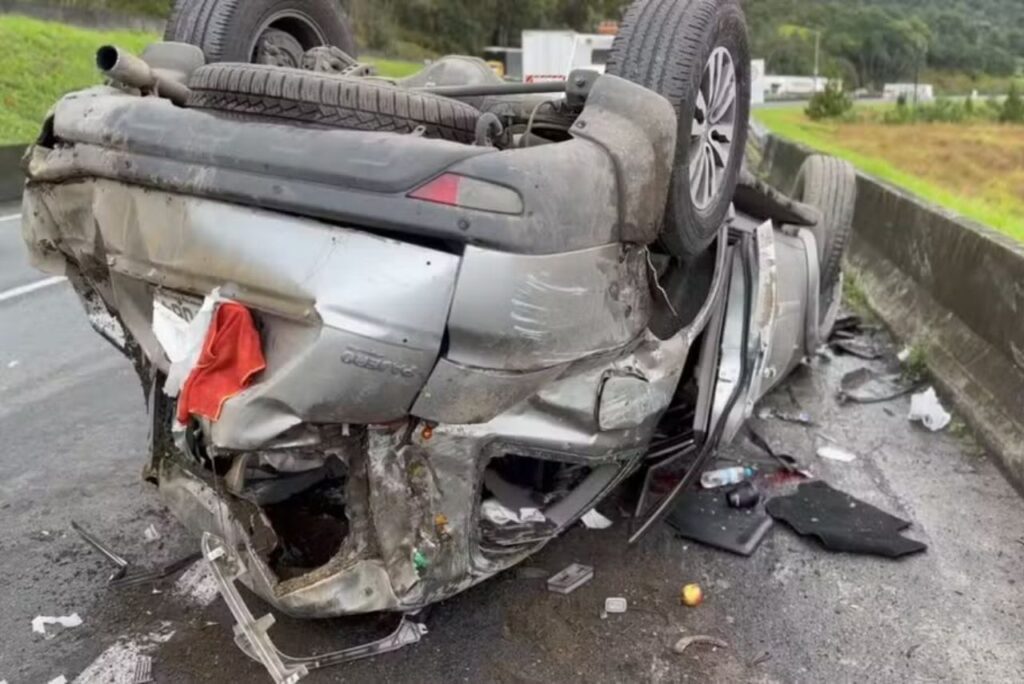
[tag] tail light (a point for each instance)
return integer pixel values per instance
(470, 193)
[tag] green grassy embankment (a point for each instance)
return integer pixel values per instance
(975, 169)
(42, 60)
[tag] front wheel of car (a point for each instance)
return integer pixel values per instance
(275, 32)
(695, 54)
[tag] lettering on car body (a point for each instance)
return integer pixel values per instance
(375, 362)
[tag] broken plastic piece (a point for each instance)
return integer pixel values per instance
(252, 637)
(151, 534)
(40, 622)
(593, 520)
(615, 605)
(926, 408)
(570, 579)
(143, 673)
(688, 641)
(834, 453)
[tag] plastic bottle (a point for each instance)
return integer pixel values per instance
(726, 476)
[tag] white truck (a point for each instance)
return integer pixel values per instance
(551, 55)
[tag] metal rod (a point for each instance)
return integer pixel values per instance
(106, 551)
(496, 89)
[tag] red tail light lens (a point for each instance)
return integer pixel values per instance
(454, 190)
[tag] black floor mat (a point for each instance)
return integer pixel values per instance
(704, 516)
(843, 523)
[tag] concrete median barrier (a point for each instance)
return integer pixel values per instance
(11, 176)
(950, 285)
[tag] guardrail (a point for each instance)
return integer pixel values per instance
(12, 179)
(948, 284)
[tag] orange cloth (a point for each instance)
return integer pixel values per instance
(231, 355)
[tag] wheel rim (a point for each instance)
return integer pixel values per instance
(713, 128)
(302, 29)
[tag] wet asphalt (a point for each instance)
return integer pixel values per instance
(73, 441)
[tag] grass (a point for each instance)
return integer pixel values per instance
(392, 68)
(973, 169)
(42, 60)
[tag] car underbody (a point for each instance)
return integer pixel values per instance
(445, 326)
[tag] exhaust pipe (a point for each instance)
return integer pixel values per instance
(127, 69)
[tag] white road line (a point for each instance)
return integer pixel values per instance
(16, 292)
(12, 217)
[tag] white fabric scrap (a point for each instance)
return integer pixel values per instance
(183, 346)
(926, 408)
(40, 622)
(593, 520)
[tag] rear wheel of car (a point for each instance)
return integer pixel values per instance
(328, 100)
(695, 54)
(265, 31)
(829, 184)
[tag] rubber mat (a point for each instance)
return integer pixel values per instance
(842, 523)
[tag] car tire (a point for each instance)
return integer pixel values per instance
(260, 91)
(677, 48)
(830, 185)
(269, 31)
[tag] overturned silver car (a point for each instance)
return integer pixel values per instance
(467, 296)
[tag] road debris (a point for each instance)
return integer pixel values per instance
(800, 418)
(865, 386)
(615, 605)
(40, 622)
(692, 595)
(688, 641)
(500, 514)
(104, 550)
(143, 670)
(570, 579)
(706, 517)
(60, 679)
(713, 479)
(834, 453)
(842, 523)
(252, 635)
(120, 577)
(593, 520)
(862, 349)
(125, 661)
(744, 495)
(926, 408)
(151, 534)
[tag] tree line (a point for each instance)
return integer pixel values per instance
(865, 42)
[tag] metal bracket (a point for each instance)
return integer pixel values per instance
(252, 637)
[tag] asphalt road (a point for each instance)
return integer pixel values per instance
(72, 444)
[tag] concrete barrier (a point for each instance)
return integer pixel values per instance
(946, 283)
(11, 176)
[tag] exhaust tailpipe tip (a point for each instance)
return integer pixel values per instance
(125, 68)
